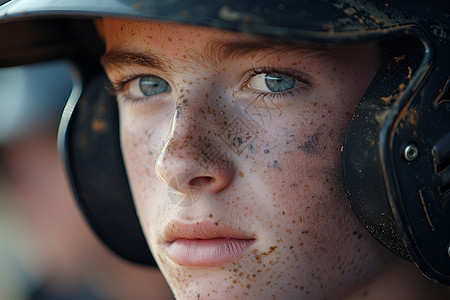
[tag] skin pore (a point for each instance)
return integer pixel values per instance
(232, 147)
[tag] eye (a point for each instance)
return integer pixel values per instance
(146, 86)
(272, 82)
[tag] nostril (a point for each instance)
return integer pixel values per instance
(201, 181)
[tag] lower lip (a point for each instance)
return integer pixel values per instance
(208, 252)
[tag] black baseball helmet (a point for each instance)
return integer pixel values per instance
(396, 155)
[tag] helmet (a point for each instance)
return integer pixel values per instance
(396, 155)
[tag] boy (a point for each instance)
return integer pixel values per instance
(232, 146)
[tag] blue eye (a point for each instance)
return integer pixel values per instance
(153, 85)
(277, 82)
(273, 82)
(147, 86)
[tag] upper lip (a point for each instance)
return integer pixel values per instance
(202, 230)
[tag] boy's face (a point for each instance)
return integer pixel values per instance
(232, 147)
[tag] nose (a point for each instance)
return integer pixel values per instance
(192, 156)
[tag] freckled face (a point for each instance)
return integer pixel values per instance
(232, 149)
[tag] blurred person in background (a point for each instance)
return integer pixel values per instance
(46, 249)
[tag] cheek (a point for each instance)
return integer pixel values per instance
(140, 144)
(311, 243)
(299, 163)
(317, 238)
(308, 177)
(306, 190)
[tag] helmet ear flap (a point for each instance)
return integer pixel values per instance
(396, 156)
(90, 146)
(361, 162)
(362, 156)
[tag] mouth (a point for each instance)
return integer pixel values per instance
(205, 244)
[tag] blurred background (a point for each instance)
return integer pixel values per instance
(47, 250)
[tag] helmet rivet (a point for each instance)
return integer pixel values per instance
(411, 152)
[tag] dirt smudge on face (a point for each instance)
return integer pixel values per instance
(311, 145)
(260, 255)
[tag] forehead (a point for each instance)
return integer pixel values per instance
(129, 33)
(132, 34)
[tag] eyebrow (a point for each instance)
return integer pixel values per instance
(232, 49)
(216, 52)
(118, 57)
(223, 51)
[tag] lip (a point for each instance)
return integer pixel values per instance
(205, 244)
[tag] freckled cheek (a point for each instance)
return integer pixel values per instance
(149, 193)
(311, 213)
(306, 190)
(140, 148)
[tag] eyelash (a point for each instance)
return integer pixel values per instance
(115, 87)
(300, 76)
